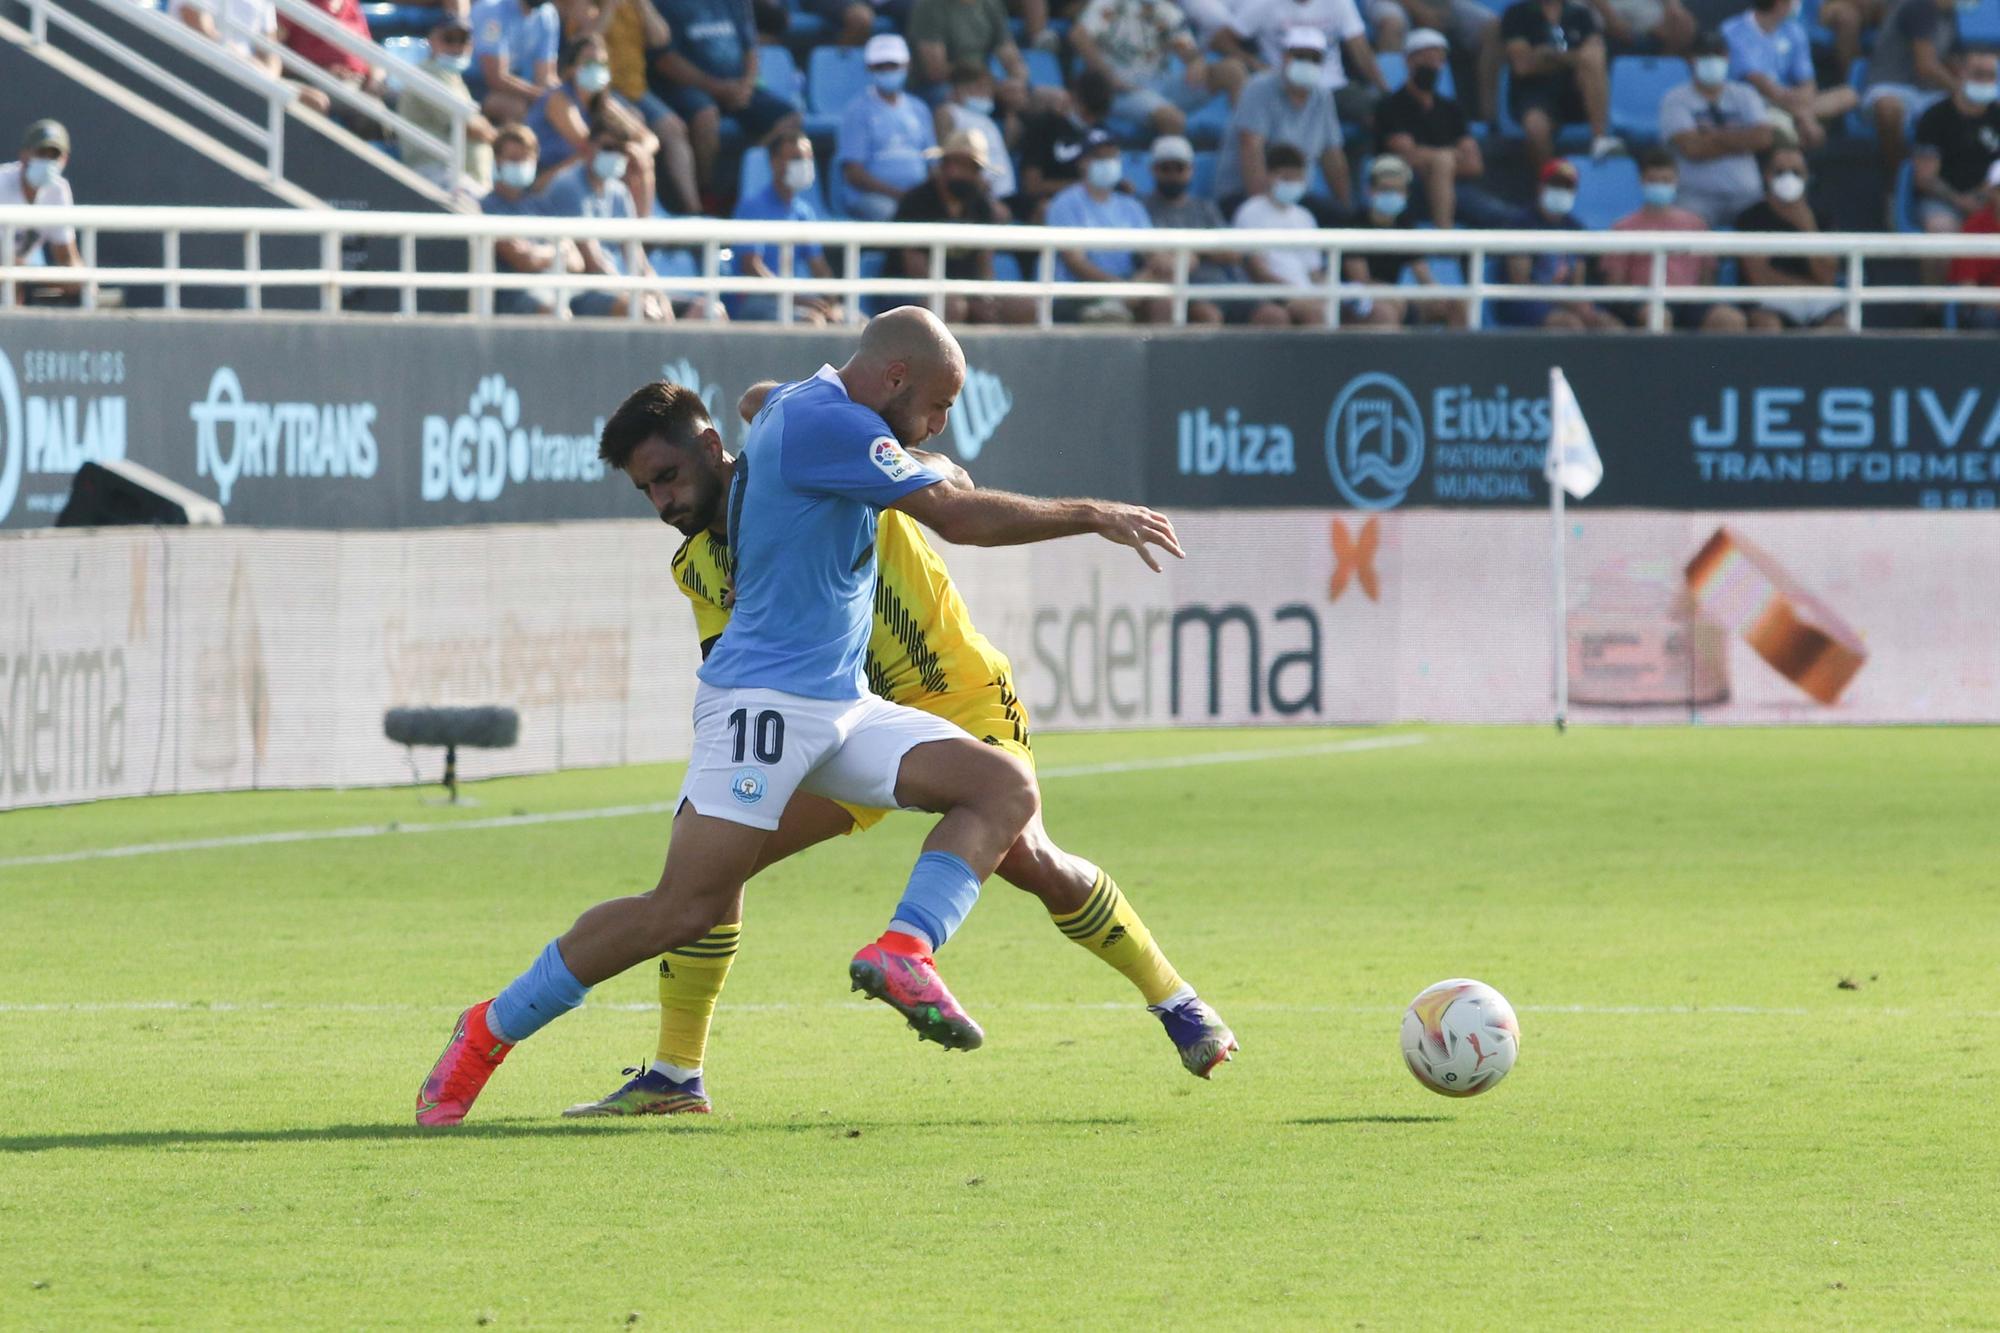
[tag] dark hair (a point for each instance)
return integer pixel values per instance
(572, 50)
(1094, 90)
(663, 409)
(604, 127)
(1709, 42)
(1655, 157)
(968, 71)
(1278, 156)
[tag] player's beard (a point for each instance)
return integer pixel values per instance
(702, 509)
(906, 419)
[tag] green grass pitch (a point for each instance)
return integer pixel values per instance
(208, 1059)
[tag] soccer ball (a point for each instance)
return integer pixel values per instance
(1460, 1037)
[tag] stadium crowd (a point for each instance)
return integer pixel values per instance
(1219, 114)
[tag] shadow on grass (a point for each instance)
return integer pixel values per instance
(1365, 1120)
(149, 1139)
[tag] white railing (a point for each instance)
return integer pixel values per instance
(410, 77)
(714, 237)
(267, 139)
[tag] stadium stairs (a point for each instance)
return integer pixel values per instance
(132, 146)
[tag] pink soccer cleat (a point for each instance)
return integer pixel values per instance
(460, 1074)
(906, 980)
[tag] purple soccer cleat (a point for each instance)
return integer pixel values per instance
(1198, 1033)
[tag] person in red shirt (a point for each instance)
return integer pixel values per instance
(1969, 272)
(341, 64)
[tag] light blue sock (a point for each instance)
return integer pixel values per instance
(536, 998)
(940, 896)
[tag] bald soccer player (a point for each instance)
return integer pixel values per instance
(923, 651)
(783, 703)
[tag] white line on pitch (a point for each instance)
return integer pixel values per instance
(637, 1007)
(1354, 745)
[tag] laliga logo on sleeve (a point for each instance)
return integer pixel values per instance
(1374, 441)
(889, 457)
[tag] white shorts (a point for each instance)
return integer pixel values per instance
(754, 748)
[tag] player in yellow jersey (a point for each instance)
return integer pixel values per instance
(924, 653)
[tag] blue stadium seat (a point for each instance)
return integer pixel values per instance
(1006, 266)
(1210, 121)
(1204, 174)
(1044, 69)
(1605, 191)
(391, 20)
(808, 30)
(1395, 70)
(1981, 27)
(835, 77)
(1860, 121)
(1139, 169)
(777, 71)
(1637, 85)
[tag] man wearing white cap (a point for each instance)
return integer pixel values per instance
(1263, 32)
(1286, 105)
(884, 134)
(1174, 206)
(1428, 130)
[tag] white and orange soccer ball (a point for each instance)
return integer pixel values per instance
(1460, 1037)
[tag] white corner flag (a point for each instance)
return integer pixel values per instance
(1572, 460)
(1572, 465)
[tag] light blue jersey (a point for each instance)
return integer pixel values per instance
(815, 468)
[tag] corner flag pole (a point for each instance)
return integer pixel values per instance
(1562, 599)
(1574, 466)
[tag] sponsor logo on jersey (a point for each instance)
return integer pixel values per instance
(888, 456)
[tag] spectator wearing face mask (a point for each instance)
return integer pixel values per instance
(514, 48)
(884, 133)
(513, 195)
(1957, 142)
(1288, 106)
(1909, 70)
(956, 191)
(1717, 128)
(561, 119)
(595, 188)
(1770, 51)
(1784, 208)
(1659, 184)
(1262, 35)
(1096, 201)
(1427, 130)
(1968, 272)
(1555, 53)
(1278, 209)
(970, 108)
(1554, 211)
(448, 59)
(1387, 207)
(788, 198)
(1172, 206)
(37, 179)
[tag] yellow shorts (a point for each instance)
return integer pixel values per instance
(991, 713)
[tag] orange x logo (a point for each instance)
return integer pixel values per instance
(1354, 558)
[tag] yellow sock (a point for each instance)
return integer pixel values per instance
(691, 978)
(1107, 926)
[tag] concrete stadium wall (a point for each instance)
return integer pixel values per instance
(140, 661)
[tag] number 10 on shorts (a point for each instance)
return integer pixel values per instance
(765, 738)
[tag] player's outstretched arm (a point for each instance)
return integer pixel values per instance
(953, 474)
(999, 518)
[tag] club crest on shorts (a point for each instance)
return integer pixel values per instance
(887, 455)
(747, 786)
